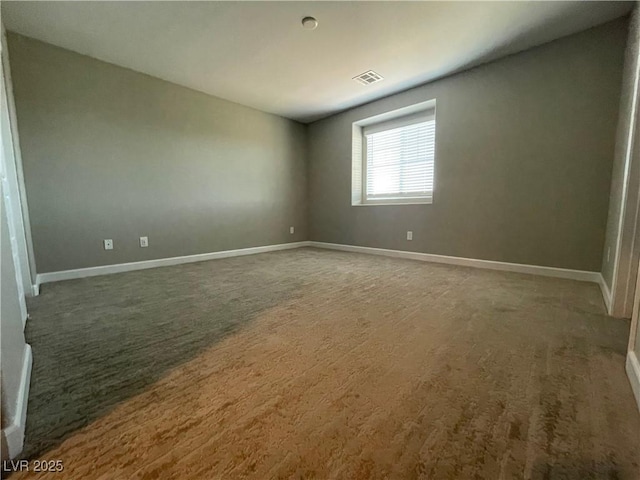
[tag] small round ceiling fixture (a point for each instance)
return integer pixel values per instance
(309, 23)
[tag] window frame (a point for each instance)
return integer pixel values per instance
(387, 121)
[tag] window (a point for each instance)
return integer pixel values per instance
(394, 158)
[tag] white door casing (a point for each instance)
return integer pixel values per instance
(12, 197)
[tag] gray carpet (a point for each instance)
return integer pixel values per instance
(100, 340)
(318, 364)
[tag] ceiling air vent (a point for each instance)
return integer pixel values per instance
(369, 77)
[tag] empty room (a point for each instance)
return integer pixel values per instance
(320, 240)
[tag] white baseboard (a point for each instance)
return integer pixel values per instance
(633, 372)
(606, 293)
(581, 275)
(160, 262)
(35, 290)
(14, 433)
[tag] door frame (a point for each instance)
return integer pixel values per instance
(633, 350)
(13, 185)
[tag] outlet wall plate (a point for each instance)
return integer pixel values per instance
(292, 230)
(144, 242)
(409, 235)
(108, 244)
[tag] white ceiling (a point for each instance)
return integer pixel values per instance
(258, 54)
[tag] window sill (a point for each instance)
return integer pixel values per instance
(394, 203)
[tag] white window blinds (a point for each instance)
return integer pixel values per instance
(399, 159)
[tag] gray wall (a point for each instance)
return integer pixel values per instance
(11, 337)
(111, 153)
(524, 150)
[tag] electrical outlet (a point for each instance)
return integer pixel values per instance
(292, 230)
(108, 244)
(409, 235)
(144, 242)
